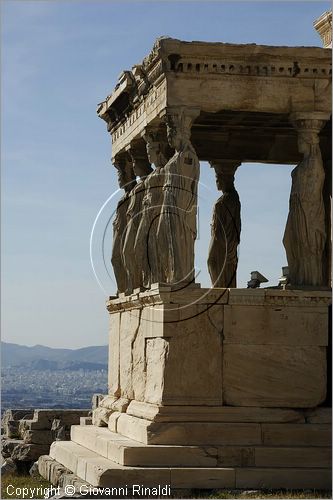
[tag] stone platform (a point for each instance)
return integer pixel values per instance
(283, 449)
(209, 388)
(213, 347)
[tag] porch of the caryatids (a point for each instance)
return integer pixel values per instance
(305, 234)
(177, 224)
(146, 246)
(225, 228)
(126, 181)
(132, 262)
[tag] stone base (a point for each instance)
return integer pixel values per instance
(205, 387)
(281, 449)
(222, 433)
(220, 347)
(95, 470)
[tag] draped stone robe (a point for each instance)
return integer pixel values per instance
(176, 232)
(226, 227)
(305, 234)
(119, 228)
(132, 261)
(146, 247)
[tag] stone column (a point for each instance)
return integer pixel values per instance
(226, 227)
(132, 262)
(327, 194)
(177, 225)
(305, 234)
(145, 247)
(126, 181)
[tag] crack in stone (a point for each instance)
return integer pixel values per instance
(132, 347)
(211, 452)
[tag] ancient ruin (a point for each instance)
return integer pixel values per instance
(223, 386)
(28, 434)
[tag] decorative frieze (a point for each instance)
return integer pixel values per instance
(230, 67)
(234, 296)
(147, 90)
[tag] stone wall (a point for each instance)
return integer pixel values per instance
(28, 434)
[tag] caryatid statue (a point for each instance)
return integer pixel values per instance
(305, 234)
(225, 228)
(146, 246)
(177, 225)
(126, 181)
(132, 261)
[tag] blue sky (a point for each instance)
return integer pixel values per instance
(59, 59)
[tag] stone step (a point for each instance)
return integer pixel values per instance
(100, 471)
(282, 478)
(227, 414)
(223, 434)
(293, 457)
(125, 451)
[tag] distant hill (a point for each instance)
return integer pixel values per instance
(40, 357)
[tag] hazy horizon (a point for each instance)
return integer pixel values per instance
(58, 347)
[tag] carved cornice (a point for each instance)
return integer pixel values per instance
(228, 67)
(315, 299)
(120, 127)
(270, 297)
(154, 54)
(323, 25)
(198, 59)
(218, 296)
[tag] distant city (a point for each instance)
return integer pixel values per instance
(50, 388)
(60, 379)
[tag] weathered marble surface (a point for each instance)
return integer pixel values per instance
(132, 261)
(274, 375)
(225, 228)
(177, 225)
(146, 244)
(126, 181)
(305, 233)
(242, 348)
(157, 238)
(246, 78)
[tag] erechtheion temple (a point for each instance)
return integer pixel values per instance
(219, 387)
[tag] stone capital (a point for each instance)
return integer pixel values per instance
(126, 176)
(120, 161)
(225, 167)
(188, 112)
(138, 156)
(156, 145)
(311, 121)
(151, 133)
(225, 173)
(181, 118)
